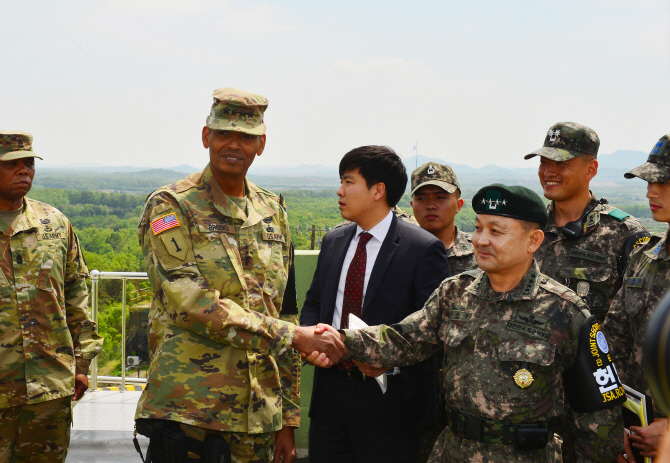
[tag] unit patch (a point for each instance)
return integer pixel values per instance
(164, 223)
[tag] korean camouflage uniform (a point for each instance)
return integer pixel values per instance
(221, 357)
(595, 259)
(46, 333)
(646, 280)
(461, 256)
(487, 336)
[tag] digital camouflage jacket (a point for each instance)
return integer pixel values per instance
(488, 337)
(461, 256)
(44, 326)
(646, 280)
(221, 356)
(591, 265)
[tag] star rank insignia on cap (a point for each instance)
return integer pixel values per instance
(553, 134)
(523, 378)
(431, 169)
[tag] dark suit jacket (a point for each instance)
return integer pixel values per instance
(410, 265)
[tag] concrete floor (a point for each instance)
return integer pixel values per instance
(102, 430)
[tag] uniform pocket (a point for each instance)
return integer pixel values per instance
(596, 275)
(453, 333)
(51, 273)
(527, 350)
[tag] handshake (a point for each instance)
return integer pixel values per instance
(323, 346)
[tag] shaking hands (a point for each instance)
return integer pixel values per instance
(321, 345)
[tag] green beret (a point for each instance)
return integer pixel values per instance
(517, 202)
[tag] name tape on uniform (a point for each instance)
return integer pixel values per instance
(269, 236)
(165, 222)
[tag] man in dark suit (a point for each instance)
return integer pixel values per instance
(380, 269)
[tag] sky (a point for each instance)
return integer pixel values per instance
(130, 82)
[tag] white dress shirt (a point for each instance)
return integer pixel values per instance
(378, 233)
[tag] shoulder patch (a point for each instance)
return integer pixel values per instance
(618, 214)
(164, 222)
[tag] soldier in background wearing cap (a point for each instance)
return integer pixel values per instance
(587, 241)
(436, 199)
(217, 249)
(48, 341)
(517, 355)
(646, 280)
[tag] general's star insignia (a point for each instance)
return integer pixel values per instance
(523, 378)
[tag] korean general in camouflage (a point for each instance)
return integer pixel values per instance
(517, 356)
(48, 340)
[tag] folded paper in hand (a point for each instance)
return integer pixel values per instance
(356, 323)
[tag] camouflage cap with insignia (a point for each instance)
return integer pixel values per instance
(16, 145)
(568, 140)
(435, 174)
(657, 167)
(517, 202)
(238, 111)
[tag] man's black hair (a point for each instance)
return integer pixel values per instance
(378, 164)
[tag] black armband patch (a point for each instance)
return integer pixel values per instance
(592, 382)
(633, 241)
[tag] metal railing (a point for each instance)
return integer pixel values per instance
(96, 276)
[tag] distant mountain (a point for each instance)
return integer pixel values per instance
(100, 169)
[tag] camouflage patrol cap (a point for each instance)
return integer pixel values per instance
(16, 145)
(238, 111)
(657, 167)
(517, 202)
(568, 140)
(435, 174)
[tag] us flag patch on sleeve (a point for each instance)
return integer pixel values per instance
(164, 223)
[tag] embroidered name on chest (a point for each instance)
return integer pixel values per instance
(588, 255)
(269, 236)
(530, 325)
(221, 227)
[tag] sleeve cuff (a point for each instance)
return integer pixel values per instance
(291, 418)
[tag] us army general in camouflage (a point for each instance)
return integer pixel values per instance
(48, 340)
(506, 353)
(221, 357)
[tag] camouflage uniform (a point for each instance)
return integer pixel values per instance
(646, 280)
(46, 334)
(487, 337)
(461, 255)
(596, 259)
(592, 264)
(221, 349)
